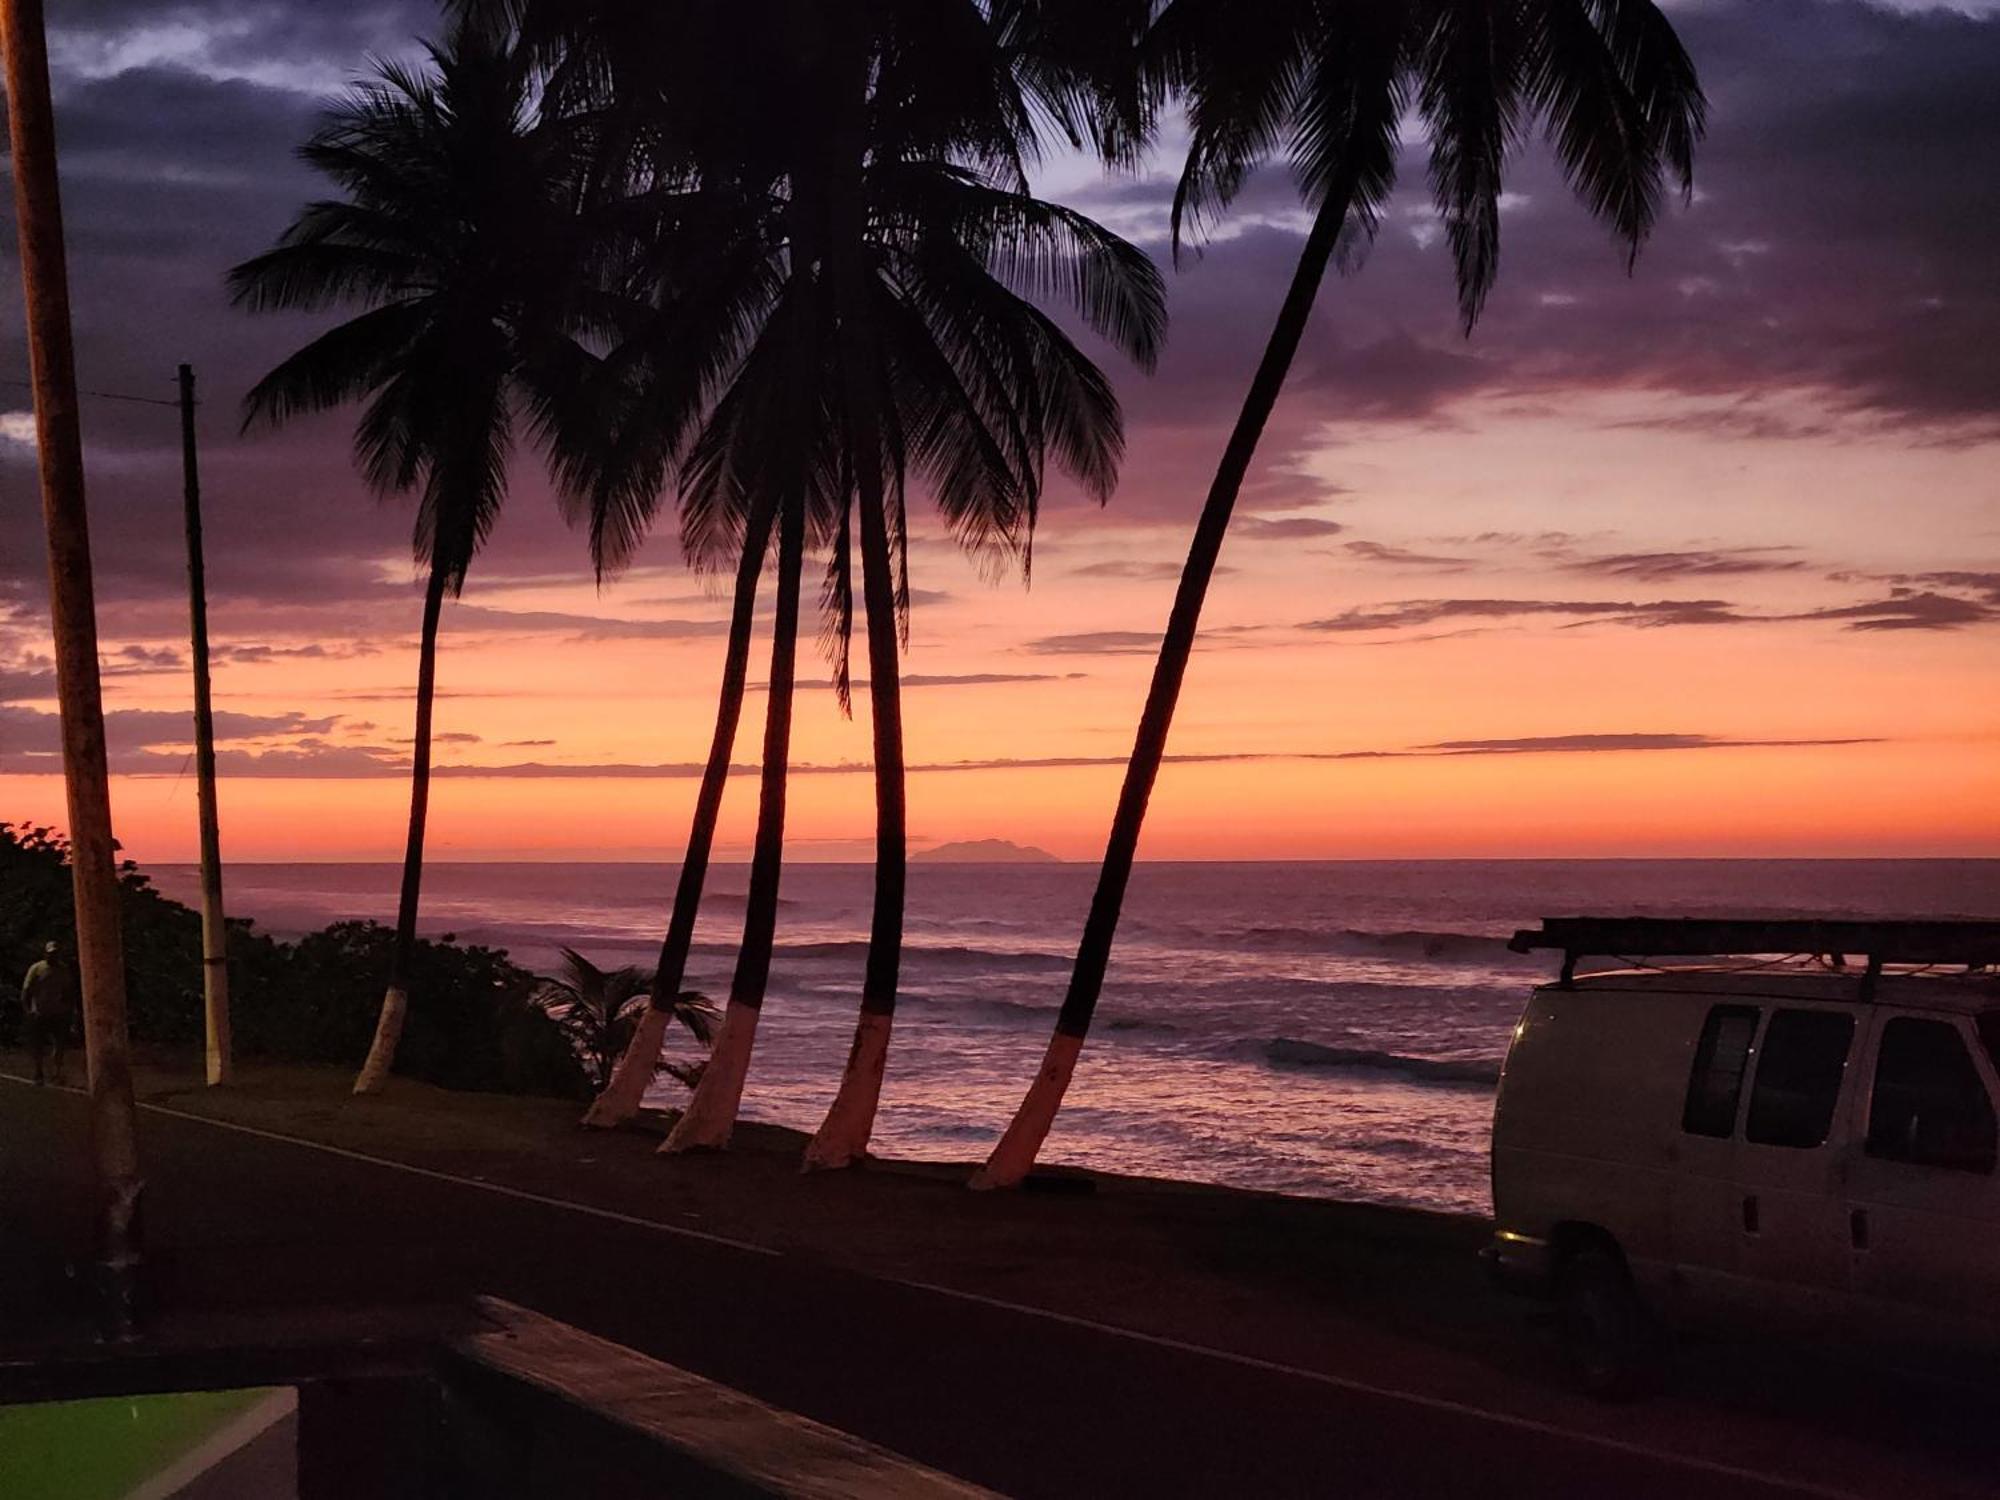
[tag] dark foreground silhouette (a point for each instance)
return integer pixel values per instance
(1285, 1347)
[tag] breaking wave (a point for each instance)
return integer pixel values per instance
(1436, 947)
(1289, 1052)
(942, 956)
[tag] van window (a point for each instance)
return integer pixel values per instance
(1720, 1061)
(1799, 1068)
(1930, 1107)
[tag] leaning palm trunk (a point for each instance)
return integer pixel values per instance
(100, 947)
(1015, 1154)
(622, 1097)
(843, 1137)
(395, 1000)
(710, 1116)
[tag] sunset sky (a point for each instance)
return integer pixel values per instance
(1703, 560)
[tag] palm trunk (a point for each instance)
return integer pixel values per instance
(73, 616)
(395, 999)
(214, 926)
(843, 1136)
(622, 1097)
(1015, 1154)
(710, 1116)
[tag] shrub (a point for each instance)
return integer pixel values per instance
(471, 1025)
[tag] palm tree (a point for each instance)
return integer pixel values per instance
(702, 244)
(1328, 83)
(623, 1089)
(938, 364)
(454, 229)
(936, 247)
(598, 1008)
(766, 435)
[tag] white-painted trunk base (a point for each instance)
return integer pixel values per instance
(382, 1051)
(1014, 1157)
(218, 1068)
(710, 1116)
(843, 1136)
(635, 1070)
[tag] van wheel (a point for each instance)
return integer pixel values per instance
(1607, 1334)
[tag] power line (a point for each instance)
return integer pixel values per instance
(101, 395)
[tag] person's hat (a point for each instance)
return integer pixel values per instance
(51, 948)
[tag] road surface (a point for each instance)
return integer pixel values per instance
(1030, 1403)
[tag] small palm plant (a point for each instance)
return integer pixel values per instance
(598, 1010)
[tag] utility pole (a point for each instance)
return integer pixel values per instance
(214, 929)
(73, 612)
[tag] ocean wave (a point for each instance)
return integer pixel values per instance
(1437, 947)
(948, 955)
(1011, 1011)
(1289, 1052)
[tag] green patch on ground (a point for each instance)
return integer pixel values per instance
(102, 1449)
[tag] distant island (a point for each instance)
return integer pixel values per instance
(986, 852)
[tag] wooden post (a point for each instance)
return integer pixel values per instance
(73, 612)
(214, 929)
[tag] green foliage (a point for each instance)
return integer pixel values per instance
(599, 1009)
(471, 1025)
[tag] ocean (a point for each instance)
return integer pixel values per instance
(1328, 1029)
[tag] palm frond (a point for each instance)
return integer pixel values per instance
(339, 366)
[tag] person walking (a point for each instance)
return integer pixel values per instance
(48, 1004)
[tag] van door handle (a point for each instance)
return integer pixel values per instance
(1857, 1228)
(1750, 1213)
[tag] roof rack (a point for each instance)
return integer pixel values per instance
(1974, 944)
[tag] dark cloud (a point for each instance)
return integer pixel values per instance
(859, 685)
(300, 43)
(1133, 569)
(31, 731)
(1416, 612)
(141, 661)
(1838, 244)
(1665, 567)
(1841, 243)
(1404, 557)
(253, 653)
(27, 677)
(1097, 643)
(977, 679)
(315, 758)
(1907, 609)
(581, 627)
(1587, 744)
(1982, 586)
(1283, 528)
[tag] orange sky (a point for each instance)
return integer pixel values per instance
(1476, 497)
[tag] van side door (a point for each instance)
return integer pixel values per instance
(1790, 1209)
(1758, 1217)
(1702, 1184)
(1923, 1181)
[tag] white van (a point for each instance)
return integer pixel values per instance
(1798, 1142)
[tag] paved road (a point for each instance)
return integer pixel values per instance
(1029, 1404)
